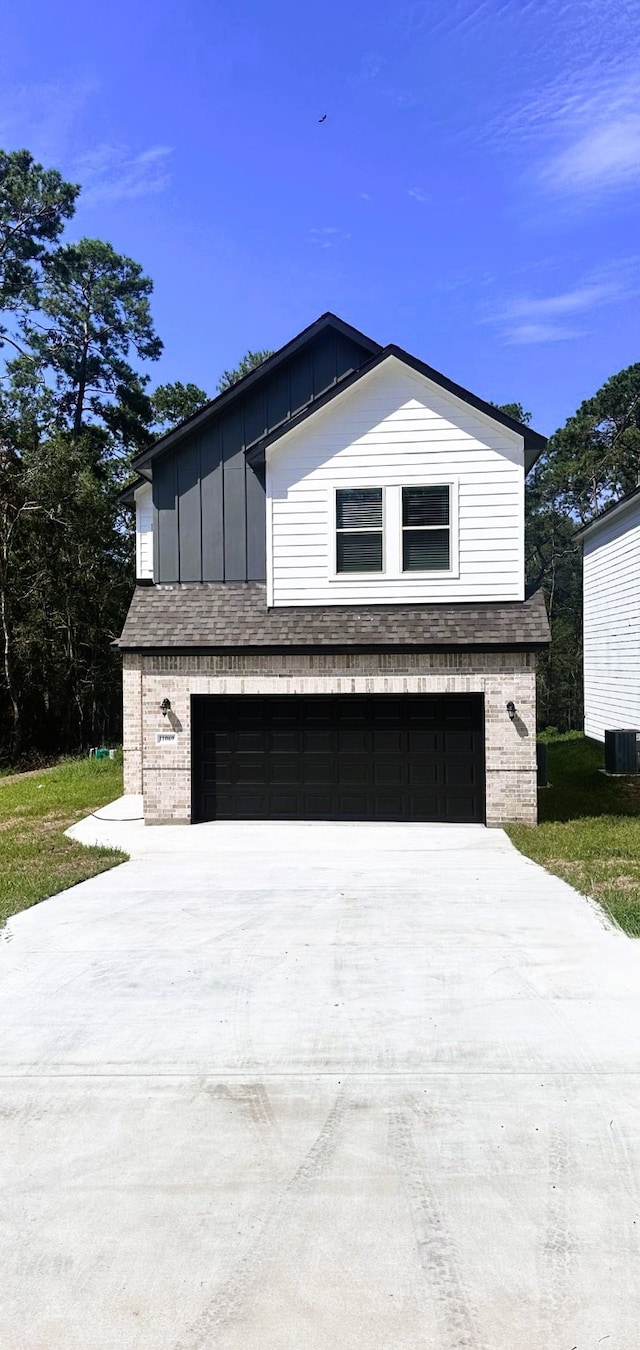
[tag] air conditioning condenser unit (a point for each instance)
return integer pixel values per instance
(622, 751)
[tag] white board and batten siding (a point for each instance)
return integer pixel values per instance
(144, 533)
(396, 428)
(612, 623)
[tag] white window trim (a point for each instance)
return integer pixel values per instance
(453, 570)
(334, 574)
(392, 531)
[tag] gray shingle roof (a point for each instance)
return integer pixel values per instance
(235, 615)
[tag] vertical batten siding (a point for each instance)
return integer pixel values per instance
(144, 533)
(395, 427)
(209, 503)
(612, 624)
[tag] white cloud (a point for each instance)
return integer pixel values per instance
(49, 119)
(327, 236)
(581, 133)
(566, 302)
(112, 173)
(606, 157)
(524, 334)
(417, 194)
(533, 319)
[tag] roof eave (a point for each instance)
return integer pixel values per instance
(127, 496)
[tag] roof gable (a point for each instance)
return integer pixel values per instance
(534, 442)
(292, 380)
(290, 393)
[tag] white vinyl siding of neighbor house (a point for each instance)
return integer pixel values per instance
(612, 624)
(144, 533)
(396, 428)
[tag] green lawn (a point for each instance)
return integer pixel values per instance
(589, 831)
(36, 860)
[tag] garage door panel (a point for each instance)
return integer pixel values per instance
(458, 808)
(350, 711)
(353, 740)
(317, 805)
(251, 740)
(251, 769)
(424, 774)
(319, 770)
(459, 774)
(254, 711)
(458, 742)
(389, 741)
(460, 710)
(389, 773)
(215, 741)
(284, 770)
(422, 743)
(355, 772)
(353, 804)
(317, 714)
(283, 804)
(316, 739)
(352, 757)
(284, 739)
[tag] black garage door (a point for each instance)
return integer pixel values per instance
(339, 757)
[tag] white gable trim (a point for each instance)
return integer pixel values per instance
(434, 390)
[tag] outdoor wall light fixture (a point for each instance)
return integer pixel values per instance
(165, 707)
(511, 709)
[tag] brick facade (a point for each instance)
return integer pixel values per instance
(163, 772)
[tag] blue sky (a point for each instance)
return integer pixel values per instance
(473, 194)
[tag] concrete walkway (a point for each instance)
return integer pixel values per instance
(325, 1087)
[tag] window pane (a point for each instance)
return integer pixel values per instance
(425, 550)
(359, 508)
(425, 505)
(359, 552)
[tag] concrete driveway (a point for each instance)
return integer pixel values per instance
(324, 1087)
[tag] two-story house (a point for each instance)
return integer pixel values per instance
(330, 619)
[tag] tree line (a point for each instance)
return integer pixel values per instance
(77, 342)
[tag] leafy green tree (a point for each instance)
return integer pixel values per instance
(34, 204)
(592, 460)
(174, 403)
(249, 362)
(515, 410)
(595, 457)
(78, 569)
(73, 404)
(96, 317)
(552, 561)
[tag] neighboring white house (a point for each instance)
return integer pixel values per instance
(330, 620)
(611, 574)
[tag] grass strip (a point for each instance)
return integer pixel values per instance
(589, 830)
(36, 859)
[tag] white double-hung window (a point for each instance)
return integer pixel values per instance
(359, 530)
(396, 530)
(426, 528)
